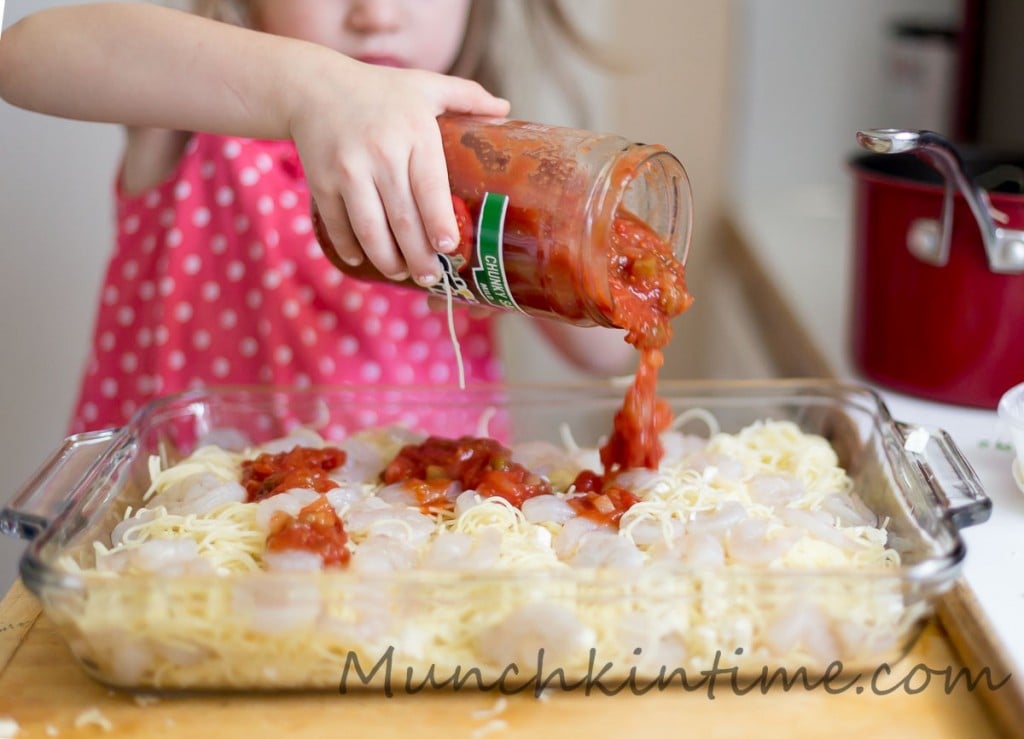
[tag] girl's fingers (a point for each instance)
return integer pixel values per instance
(339, 230)
(428, 178)
(464, 96)
(370, 226)
(407, 224)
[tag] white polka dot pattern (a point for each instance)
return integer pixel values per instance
(216, 279)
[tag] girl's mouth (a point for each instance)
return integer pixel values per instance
(382, 60)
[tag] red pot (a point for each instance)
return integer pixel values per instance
(938, 285)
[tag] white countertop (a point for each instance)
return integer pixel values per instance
(803, 242)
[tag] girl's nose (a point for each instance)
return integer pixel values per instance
(374, 16)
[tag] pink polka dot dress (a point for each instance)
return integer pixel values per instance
(217, 279)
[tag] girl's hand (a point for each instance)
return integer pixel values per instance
(371, 149)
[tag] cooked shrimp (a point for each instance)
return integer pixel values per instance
(752, 542)
(290, 502)
(198, 494)
(293, 561)
(803, 627)
(519, 637)
(166, 557)
(130, 660)
(402, 495)
(775, 490)
(606, 549)
(388, 441)
(718, 521)
(546, 459)
(448, 550)
(646, 532)
(456, 550)
(381, 553)
(849, 510)
(703, 551)
(276, 604)
(131, 657)
(818, 524)
(465, 501)
(399, 495)
(376, 517)
(639, 480)
(678, 446)
(300, 436)
(547, 508)
(141, 516)
(341, 498)
(724, 466)
(364, 461)
(568, 540)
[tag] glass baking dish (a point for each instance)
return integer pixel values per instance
(346, 630)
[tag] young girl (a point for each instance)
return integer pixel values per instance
(216, 277)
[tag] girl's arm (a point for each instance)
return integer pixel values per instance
(367, 135)
(600, 351)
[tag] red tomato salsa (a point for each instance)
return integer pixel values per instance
(479, 464)
(648, 287)
(598, 501)
(432, 495)
(316, 529)
(301, 467)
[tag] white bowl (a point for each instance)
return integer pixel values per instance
(1011, 412)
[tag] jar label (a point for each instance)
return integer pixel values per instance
(489, 274)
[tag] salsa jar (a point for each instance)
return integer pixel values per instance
(553, 210)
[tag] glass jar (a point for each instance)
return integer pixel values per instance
(552, 209)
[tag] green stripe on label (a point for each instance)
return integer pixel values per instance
(491, 280)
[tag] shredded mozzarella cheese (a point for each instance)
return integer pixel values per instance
(93, 717)
(9, 728)
(456, 347)
(705, 510)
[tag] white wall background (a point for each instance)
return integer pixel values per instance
(55, 233)
(810, 74)
(806, 74)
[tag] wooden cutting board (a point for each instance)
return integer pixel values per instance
(46, 693)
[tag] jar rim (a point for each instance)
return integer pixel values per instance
(612, 188)
(648, 154)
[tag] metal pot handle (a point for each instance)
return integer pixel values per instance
(50, 490)
(947, 472)
(1004, 247)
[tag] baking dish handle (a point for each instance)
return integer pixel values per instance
(948, 473)
(46, 494)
